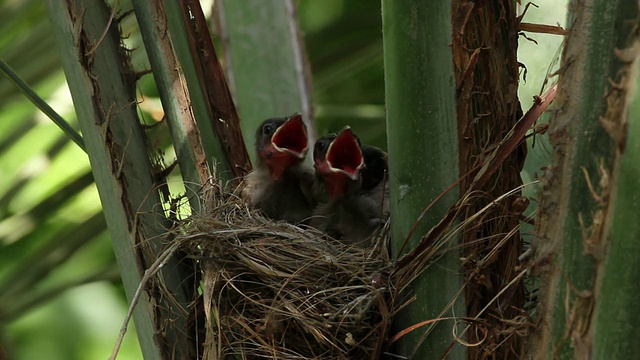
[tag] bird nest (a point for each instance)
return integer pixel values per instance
(276, 290)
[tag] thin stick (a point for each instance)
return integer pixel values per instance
(106, 28)
(41, 104)
(157, 265)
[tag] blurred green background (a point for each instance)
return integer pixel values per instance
(60, 293)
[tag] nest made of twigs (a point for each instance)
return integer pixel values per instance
(276, 290)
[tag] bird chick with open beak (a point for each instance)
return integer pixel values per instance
(350, 187)
(280, 184)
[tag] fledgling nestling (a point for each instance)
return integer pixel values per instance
(280, 184)
(350, 187)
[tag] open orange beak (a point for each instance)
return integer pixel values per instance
(344, 155)
(291, 137)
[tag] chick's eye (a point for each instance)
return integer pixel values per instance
(267, 129)
(320, 146)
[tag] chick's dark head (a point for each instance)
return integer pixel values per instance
(338, 161)
(281, 143)
(375, 170)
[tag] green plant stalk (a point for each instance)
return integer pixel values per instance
(223, 115)
(576, 201)
(212, 146)
(174, 95)
(103, 90)
(616, 330)
(42, 105)
(267, 63)
(423, 159)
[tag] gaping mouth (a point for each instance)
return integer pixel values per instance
(344, 154)
(291, 137)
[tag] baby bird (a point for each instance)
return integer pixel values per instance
(280, 184)
(350, 187)
(375, 183)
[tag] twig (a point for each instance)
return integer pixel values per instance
(106, 29)
(157, 266)
(543, 29)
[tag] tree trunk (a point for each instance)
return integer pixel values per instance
(485, 43)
